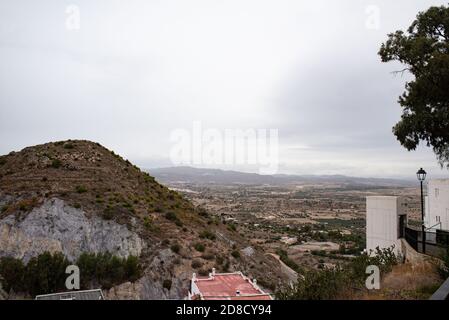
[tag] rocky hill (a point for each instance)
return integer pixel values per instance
(77, 196)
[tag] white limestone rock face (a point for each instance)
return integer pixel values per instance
(125, 291)
(150, 285)
(57, 227)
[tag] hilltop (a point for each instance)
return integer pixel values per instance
(77, 196)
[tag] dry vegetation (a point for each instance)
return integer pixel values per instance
(407, 282)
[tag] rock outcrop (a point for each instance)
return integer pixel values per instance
(57, 227)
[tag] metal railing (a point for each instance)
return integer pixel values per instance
(436, 242)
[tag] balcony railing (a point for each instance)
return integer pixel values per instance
(436, 243)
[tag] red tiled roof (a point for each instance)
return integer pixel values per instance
(225, 286)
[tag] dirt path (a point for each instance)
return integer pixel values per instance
(289, 272)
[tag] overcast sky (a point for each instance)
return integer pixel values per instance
(135, 71)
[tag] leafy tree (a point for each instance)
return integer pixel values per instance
(107, 270)
(133, 269)
(45, 273)
(12, 271)
(424, 51)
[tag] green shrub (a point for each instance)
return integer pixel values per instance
(68, 146)
(171, 216)
(203, 212)
(385, 259)
(203, 272)
(149, 225)
(148, 178)
(107, 270)
(175, 248)
(12, 270)
(2, 161)
(235, 254)
(179, 223)
(196, 264)
(208, 256)
(219, 260)
(109, 213)
(199, 247)
(4, 208)
(167, 284)
(56, 163)
(81, 189)
(324, 284)
(133, 269)
(206, 234)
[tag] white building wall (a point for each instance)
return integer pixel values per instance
(382, 222)
(437, 204)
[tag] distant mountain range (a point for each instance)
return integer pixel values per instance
(224, 177)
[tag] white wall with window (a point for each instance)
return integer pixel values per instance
(437, 211)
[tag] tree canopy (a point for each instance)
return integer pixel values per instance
(424, 51)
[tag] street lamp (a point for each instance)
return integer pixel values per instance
(421, 174)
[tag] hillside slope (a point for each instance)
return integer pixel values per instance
(77, 196)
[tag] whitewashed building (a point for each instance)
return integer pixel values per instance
(437, 205)
(385, 222)
(386, 218)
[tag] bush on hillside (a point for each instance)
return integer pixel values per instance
(56, 163)
(333, 283)
(46, 273)
(206, 234)
(199, 247)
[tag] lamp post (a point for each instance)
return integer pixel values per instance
(421, 174)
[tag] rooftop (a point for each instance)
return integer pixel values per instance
(227, 286)
(95, 294)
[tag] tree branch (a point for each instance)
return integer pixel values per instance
(400, 71)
